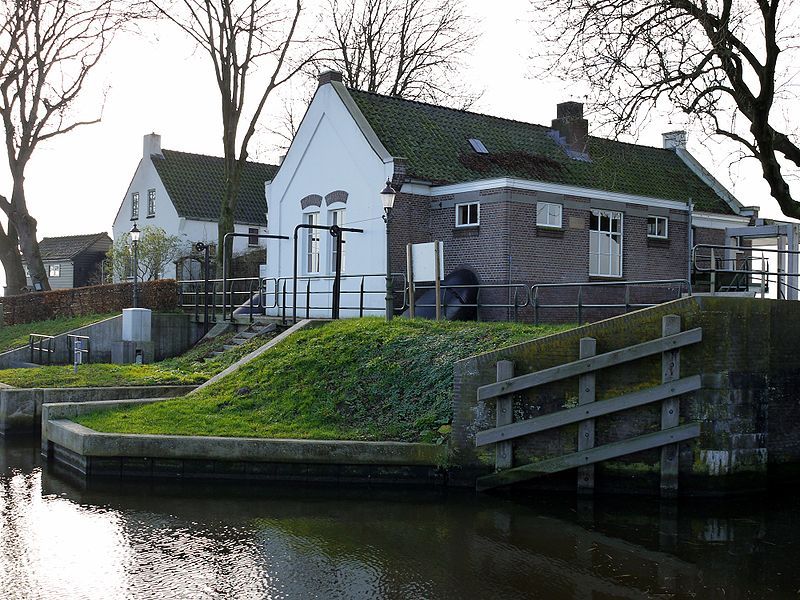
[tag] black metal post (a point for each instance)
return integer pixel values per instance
(389, 287)
(337, 279)
(136, 274)
(201, 247)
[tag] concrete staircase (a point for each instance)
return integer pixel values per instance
(245, 335)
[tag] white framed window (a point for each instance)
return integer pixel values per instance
(605, 243)
(134, 205)
(252, 236)
(548, 214)
(151, 203)
(54, 270)
(468, 214)
(336, 217)
(312, 243)
(658, 227)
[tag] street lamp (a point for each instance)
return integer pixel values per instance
(135, 233)
(387, 200)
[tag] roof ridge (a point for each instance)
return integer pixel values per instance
(76, 235)
(250, 162)
(506, 119)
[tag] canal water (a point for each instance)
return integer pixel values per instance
(61, 539)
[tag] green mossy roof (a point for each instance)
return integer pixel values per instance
(195, 184)
(434, 140)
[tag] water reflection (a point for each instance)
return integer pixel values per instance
(62, 539)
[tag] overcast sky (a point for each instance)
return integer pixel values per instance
(158, 81)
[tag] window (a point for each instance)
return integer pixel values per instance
(605, 243)
(658, 227)
(312, 243)
(468, 215)
(478, 146)
(252, 236)
(134, 205)
(151, 203)
(54, 270)
(548, 214)
(336, 217)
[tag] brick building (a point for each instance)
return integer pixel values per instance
(514, 202)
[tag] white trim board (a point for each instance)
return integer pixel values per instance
(539, 186)
(716, 221)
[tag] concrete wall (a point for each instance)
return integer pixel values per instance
(748, 406)
(21, 409)
(173, 334)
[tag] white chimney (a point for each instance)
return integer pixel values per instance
(674, 139)
(152, 145)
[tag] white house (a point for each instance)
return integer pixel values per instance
(332, 173)
(181, 193)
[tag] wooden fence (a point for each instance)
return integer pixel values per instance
(588, 409)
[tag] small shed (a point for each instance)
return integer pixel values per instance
(73, 260)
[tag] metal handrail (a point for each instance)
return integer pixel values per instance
(514, 288)
(743, 265)
(580, 305)
(71, 349)
(284, 294)
(36, 344)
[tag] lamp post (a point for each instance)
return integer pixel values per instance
(135, 233)
(387, 200)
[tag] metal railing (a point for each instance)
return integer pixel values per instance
(355, 298)
(518, 297)
(79, 345)
(224, 295)
(41, 346)
(682, 285)
(744, 268)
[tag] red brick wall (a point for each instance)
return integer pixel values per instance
(161, 295)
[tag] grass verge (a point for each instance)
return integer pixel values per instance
(15, 336)
(187, 369)
(355, 379)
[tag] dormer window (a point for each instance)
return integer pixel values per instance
(478, 146)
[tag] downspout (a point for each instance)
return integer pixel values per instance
(690, 242)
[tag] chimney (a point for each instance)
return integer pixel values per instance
(571, 125)
(327, 77)
(152, 145)
(674, 139)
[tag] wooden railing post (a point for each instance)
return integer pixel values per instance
(670, 408)
(505, 415)
(586, 394)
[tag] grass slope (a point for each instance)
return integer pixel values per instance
(358, 379)
(14, 336)
(188, 368)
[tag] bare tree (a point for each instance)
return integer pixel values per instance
(47, 50)
(407, 48)
(240, 37)
(729, 64)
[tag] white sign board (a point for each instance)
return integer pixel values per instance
(423, 265)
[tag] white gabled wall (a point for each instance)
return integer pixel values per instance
(146, 178)
(330, 153)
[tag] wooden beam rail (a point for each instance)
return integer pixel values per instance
(588, 365)
(588, 457)
(588, 411)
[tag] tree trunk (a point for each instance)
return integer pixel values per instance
(225, 225)
(26, 229)
(12, 262)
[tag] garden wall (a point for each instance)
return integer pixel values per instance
(160, 295)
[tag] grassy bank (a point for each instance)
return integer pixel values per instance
(359, 379)
(14, 336)
(188, 368)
